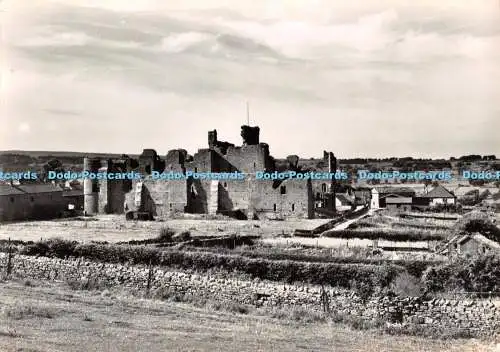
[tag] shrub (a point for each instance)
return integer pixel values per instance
(394, 235)
(363, 289)
(163, 293)
(297, 314)
(356, 322)
(165, 235)
(92, 284)
(434, 332)
(24, 311)
(182, 236)
(480, 274)
(407, 285)
(55, 247)
(238, 308)
(478, 222)
(29, 283)
(87, 317)
(38, 248)
(61, 248)
(12, 246)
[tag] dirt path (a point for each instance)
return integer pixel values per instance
(345, 224)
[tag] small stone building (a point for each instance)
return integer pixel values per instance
(471, 244)
(440, 195)
(31, 202)
(344, 201)
(403, 204)
(74, 199)
(380, 195)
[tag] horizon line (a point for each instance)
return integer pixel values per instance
(13, 151)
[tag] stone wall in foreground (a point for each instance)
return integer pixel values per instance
(475, 315)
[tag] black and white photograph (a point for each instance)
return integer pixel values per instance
(250, 175)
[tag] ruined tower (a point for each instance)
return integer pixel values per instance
(331, 161)
(250, 135)
(150, 161)
(91, 186)
(212, 138)
(293, 162)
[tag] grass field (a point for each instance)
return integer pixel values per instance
(114, 228)
(50, 317)
(333, 242)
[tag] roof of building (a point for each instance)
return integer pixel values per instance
(362, 190)
(444, 249)
(39, 188)
(482, 239)
(394, 190)
(439, 192)
(393, 195)
(344, 199)
(474, 236)
(73, 193)
(7, 190)
(399, 200)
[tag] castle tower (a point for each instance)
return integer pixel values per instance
(332, 168)
(91, 187)
(250, 135)
(212, 138)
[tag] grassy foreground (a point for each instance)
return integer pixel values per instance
(51, 317)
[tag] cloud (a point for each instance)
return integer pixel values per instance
(179, 42)
(385, 35)
(62, 112)
(326, 74)
(57, 39)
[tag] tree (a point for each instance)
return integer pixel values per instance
(478, 222)
(476, 182)
(52, 165)
(427, 182)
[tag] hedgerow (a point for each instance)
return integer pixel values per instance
(335, 274)
(474, 275)
(414, 267)
(481, 274)
(394, 235)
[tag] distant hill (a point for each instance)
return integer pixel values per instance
(44, 154)
(19, 160)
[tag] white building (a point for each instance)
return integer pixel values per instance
(440, 195)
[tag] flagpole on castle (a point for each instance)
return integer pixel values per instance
(248, 114)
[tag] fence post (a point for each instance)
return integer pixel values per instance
(325, 300)
(150, 278)
(9, 259)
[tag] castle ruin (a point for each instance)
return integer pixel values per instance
(247, 198)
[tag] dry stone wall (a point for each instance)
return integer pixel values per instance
(479, 315)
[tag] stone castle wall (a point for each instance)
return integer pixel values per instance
(474, 315)
(198, 196)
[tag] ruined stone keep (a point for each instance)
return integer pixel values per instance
(244, 199)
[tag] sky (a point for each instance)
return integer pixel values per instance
(359, 78)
